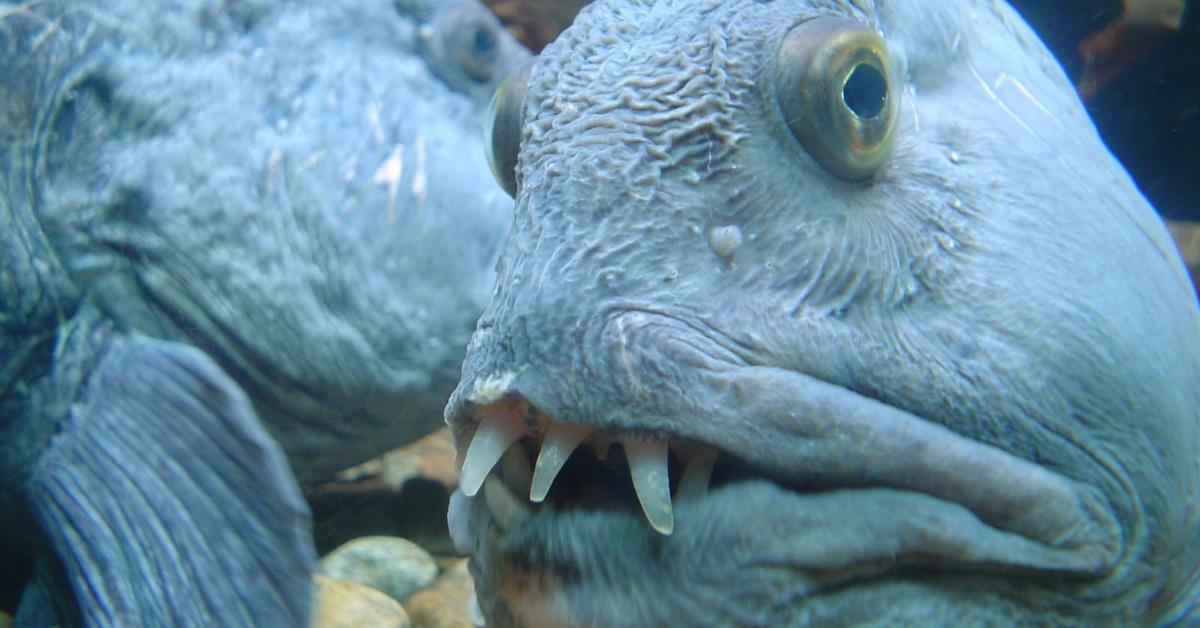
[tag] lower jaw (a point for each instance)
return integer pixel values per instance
(743, 548)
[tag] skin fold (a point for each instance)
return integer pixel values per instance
(960, 390)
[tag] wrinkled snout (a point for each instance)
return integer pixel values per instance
(601, 367)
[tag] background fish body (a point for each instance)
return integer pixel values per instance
(212, 214)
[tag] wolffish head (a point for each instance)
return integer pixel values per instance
(292, 187)
(823, 312)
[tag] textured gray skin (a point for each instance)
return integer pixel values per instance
(295, 189)
(242, 209)
(988, 354)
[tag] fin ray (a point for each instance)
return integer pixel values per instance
(166, 502)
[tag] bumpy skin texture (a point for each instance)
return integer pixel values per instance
(998, 291)
(295, 189)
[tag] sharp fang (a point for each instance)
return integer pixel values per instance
(648, 466)
(506, 509)
(561, 440)
(693, 484)
(492, 439)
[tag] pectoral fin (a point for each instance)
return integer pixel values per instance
(165, 502)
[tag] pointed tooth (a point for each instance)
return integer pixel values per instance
(506, 509)
(514, 468)
(492, 439)
(458, 523)
(697, 473)
(648, 467)
(561, 439)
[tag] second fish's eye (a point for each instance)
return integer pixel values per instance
(502, 131)
(838, 94)
(471, 38)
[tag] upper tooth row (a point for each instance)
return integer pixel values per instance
(647, 464)
(561, 440)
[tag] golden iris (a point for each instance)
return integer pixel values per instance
(838, 95)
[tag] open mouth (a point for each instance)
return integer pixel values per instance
(563, 465)
(847, 484)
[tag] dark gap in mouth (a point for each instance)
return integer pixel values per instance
(592, 484)
(730, 470)
(596, 476)
(588, 483)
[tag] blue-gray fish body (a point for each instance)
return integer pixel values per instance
(874, 258)
(234, 235)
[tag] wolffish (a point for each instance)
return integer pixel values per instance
(232, 232)
(884, 333)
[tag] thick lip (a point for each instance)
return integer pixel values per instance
(884, 489)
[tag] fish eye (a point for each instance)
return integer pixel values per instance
(838, 95)
(473, 43)
(502, 133)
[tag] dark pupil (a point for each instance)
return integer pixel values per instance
(865, 91)
(483, 40)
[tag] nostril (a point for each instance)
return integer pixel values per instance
(641, 342)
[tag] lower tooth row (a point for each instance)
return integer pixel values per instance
(697, 473)
(647, 467)
(508, 511)
(514, 469)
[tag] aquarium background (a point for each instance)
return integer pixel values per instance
(1149, 116)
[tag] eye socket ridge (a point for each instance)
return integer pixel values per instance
(502, 127)
(837, 92)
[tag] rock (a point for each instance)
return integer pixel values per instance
(1187, 238)
(5, 620)
(347, 604)
(393, 565)
(449, 603)
(343, 512)
(403, 493)
(431, 458)
(535, 22)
